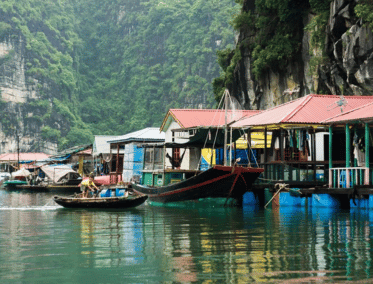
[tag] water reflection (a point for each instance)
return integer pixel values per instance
(204, 245)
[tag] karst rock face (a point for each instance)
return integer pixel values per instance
(21, 115)
(348, 68)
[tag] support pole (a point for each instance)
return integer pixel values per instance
(367, 136)
(265, 153)
(348, 156)
(348, 146)
(330, 156)
(313, 146)
(117, 166)
(282, 150)
(17, 150)
(249, 146)
(330, 147)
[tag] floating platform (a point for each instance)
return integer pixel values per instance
(322, 197)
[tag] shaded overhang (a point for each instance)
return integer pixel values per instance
(272, 127)
(204, 137)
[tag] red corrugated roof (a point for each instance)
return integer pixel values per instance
(204, 117)
(361, 113)
(311, 109)
(23, 156)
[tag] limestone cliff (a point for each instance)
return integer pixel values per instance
(343, 66)
(22, 113)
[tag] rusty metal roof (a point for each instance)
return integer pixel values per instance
(187, 118)
(311, 109)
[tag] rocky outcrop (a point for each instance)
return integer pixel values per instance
(347, 68)
(20, 115)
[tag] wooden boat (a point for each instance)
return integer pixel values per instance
(13, 184)
(61, 175)
(120, 202)
(219, 181)
(34, 188)
(4, 176)
(216, 182)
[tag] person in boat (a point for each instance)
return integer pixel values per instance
(88, 185)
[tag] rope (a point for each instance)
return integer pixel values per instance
(216, 134)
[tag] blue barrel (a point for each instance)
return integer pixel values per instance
(105, 193)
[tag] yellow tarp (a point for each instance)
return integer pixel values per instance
(257, 142)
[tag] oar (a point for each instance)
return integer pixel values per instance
(278, 191)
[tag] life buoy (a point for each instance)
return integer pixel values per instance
(42, 175)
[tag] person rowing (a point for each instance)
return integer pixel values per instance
(88, 185)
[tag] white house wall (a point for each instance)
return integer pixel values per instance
(191, 157)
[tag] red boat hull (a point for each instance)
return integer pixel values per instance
(219, 181)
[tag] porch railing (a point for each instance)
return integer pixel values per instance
(348, 177)
(316, 173)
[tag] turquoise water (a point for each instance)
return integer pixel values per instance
(41, 242)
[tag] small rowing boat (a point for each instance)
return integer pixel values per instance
(103, 201)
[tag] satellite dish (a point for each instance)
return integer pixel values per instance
(107, 157)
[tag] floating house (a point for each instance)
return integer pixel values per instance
(104, 160)
(129, 168)
(12, 161)
(178, 124)
(187, 132)
(354, 178)
(311, 147)
(77, 156)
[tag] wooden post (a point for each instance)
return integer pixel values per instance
(249, 146)
(212, 156)
(282, 169)
(235, 151)
(330, 156)
(18, 168)
(265, 153)
(117, 169)
(110, 163)
(164, 163)
(313, 157)
(367, 136)
(348, 156)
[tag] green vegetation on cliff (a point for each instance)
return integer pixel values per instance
(47, 31)
(141, 58)
(365, 10)
(116, 66)
(275, 32)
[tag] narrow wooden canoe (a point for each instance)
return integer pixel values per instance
(101, 202)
